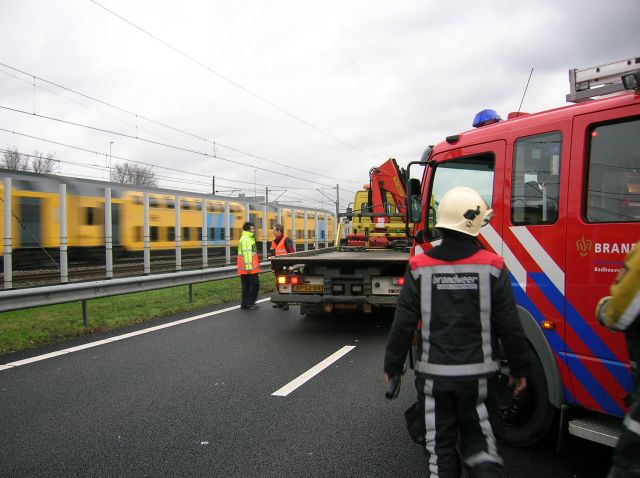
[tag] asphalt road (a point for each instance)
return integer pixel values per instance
(196, 399)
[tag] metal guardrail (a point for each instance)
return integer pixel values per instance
(16, 299)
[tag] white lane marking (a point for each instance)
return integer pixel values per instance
(97, 343)
(542, 258)
(312, 372)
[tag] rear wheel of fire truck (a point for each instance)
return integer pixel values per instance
(527, 419)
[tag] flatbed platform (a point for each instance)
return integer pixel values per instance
(333, 255)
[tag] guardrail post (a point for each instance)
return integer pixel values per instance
(227, 234)
(178, 235)
(64, 268)
(205, 235)
(190, 293)
(7, 235)
(85, 319)
(145, 236)
(264, 224)
(305, 233)
(108, 234)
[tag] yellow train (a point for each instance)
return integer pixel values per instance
(35, 204)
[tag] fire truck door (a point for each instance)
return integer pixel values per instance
(603, 217)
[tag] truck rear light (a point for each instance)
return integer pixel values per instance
(296, 280)
(398, 281)
(282, 280)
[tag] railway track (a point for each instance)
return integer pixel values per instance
(43, 277)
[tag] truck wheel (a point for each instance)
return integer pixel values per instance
(527, 419)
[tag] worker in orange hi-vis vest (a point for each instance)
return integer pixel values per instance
(621, 312)
(248, 267)
(281, 245)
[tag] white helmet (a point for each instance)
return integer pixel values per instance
(464, 210)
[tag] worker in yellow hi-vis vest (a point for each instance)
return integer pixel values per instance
(621, 312)
(248, 267)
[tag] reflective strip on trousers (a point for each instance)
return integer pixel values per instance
(491, 455)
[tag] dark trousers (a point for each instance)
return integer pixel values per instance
(250, 286)
(626, 456)
(465, 409)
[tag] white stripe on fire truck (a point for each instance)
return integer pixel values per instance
(537, 252)
(498, 245)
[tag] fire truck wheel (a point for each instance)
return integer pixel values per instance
(527, 419)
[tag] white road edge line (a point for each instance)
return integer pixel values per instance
(312, 372)
(89, 345)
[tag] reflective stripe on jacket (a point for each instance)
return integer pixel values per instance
(464, 306)
(248, 261)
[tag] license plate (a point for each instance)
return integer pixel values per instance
(307, 288)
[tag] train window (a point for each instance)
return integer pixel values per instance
(613, 193)
(171, 233)
(137, 200)
(92, 216)
(153, 233)
(153, 201)
(186, 233)
(197, 206)
(536, 179)
(184, 204)
(170, 202)
(199, 236)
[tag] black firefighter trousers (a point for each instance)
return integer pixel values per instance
(460, 410)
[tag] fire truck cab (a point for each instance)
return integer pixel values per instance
(565, 188)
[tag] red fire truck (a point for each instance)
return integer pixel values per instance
(565, 188)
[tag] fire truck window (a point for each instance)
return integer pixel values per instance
(613, 193)
(475, 172)
(536, 179)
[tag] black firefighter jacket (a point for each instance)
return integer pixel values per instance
(461, 295)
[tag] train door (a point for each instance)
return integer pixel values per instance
(604, 212)
(30, 233)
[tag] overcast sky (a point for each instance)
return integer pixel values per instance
(316, 91)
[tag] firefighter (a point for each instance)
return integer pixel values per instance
(461, 296)
(248, 267)
(281, 245)
(620, 311)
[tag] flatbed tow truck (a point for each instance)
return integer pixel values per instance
(365, 270)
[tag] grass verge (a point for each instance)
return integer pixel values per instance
(24, 329)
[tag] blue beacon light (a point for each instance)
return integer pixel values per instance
(486, 117)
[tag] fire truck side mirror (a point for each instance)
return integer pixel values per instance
(415, 208)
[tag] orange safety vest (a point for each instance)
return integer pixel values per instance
(280, 248)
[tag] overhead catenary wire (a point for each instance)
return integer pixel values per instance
(159, 123)
(79, 148)
(157, 143)
(234, 83)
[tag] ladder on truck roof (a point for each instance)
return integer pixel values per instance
(599, 80)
